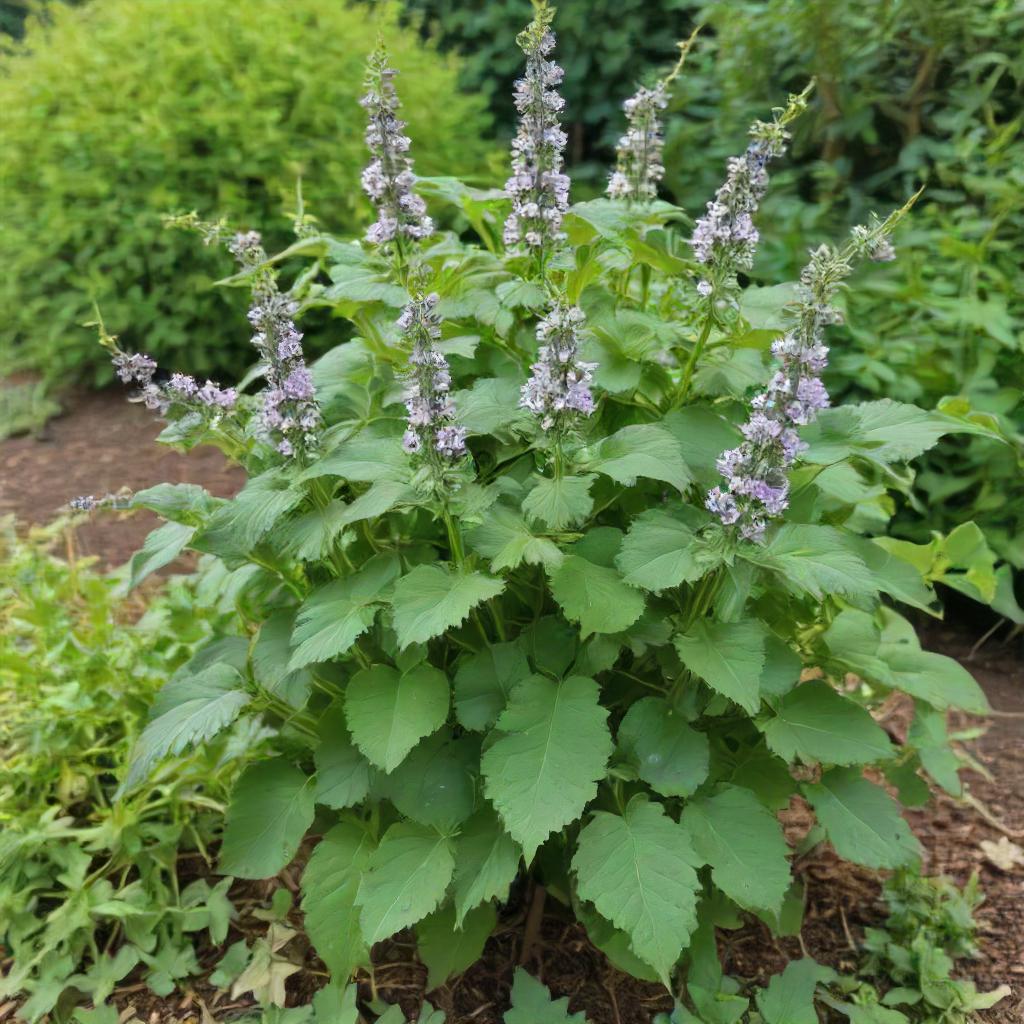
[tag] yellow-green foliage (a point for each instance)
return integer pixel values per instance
(123, 110)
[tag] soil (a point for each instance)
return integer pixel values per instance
(103, 443)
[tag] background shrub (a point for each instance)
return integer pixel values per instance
(119, 111)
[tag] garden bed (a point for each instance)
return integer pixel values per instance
(102, 443)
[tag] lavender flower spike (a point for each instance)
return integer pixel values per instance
(757, 487)
(181, 390)
(538, 188)
(559, 387)
(725, 238)
(388, 179)
(638, 155)
(432, 433)
(290, 415)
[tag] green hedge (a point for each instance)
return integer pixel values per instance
(122, 110)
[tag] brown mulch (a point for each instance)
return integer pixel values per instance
(104, 443)
(99, 445)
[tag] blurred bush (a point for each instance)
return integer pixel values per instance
(908, 93)
(121, 110)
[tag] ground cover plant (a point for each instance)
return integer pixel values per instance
(561, 567)
(89, 880)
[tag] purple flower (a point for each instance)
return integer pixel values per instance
(638, 153)
(757, 489)
(537, 187)
(559, 385)
(388, 179)
(431, 430)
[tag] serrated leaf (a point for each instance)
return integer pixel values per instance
(861, 820)
(484, 681)
(884, 432)
(334, 615)
(383, 496)
(486, 862)
(162, 546)
(311, 536)
(782, 668)
(271, 808)
(552, 750)
(507, 541)
(532, 1004)
(728, 656)
(641, 449)
(742, 841)
(812, 559)
(241, 523)
(814, 723)
(491, 406)
(342, 773)
(215, 699)
(594, 596)
(432, 598)
(933, 678)
(668, 755)
(406, 879)
(330, 882)
(389, 712)
(183, 503)
(560, 503)
(270, 657)
(637, 870)
(365, 458)
(702, 435)
(660, 552)
(448, 948)
(435, 784)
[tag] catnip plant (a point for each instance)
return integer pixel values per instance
(559, 569)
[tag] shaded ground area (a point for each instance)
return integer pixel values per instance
(104, 443)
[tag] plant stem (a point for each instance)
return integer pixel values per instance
(691, 364)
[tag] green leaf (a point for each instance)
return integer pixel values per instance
(764, 308)
(484, 681)
(882, 431)
(329, 886)
(613, 942)
(270, 657)
(491, 406)
(552, 750)
(782, 668)
(311, 536)
(669, 756)
(532, 1004)
(934, 678)
(789, 997)
(702, 435)
(271, 808)
(637, 870)
(448, 948)
(406, 879)
(739, 837)
(389, 712)
(660, 552)
(333, 616)
(594, 596)
(183, 503)
(162, 546)
(486, 863)
(383, 496)
(641, 449)
(365, 458)
(893, 575)
(342, 773)
(432, 598)
(507, 541)
(728, 656)
(814, 723)
(240, 524)
(812, 559)
(560, 503)
(215, 700)
(434, 785)
(928, 734)
(861, 820)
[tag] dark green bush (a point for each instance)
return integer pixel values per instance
(122, 110)
(908, 93)
(605, 46)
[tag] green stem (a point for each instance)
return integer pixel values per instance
(691, 364)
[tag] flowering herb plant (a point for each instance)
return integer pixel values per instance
(562, 566)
